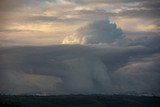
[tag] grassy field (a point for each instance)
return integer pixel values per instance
(79, 101)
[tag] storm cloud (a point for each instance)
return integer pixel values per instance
(101, 31)
(80, 69)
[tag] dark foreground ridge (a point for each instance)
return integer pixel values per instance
(79, 101)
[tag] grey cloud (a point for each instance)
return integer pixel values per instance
(8, 8)
(52, 19)
(96, 13)
(44, 18)
(10, 5)
(143, 8)
(148, 41)
(78, 16)
(151, 4)
(104, 1)
(142, 13)
(101, 31)
(105, 32)
(138, 34)
(157, 23)
(140, 69)
(85, 69)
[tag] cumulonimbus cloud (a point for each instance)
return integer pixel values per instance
(101, 31)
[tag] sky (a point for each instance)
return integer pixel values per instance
(80, 47)
(48, 22)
